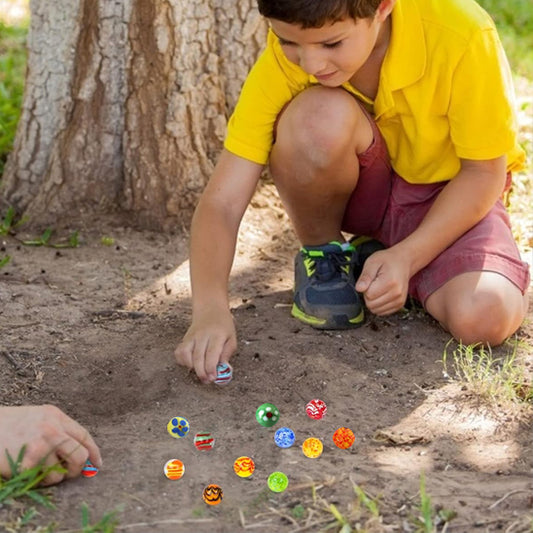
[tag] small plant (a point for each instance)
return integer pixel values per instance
(106, 524)
(429, 519)
(370, 503)
(425, 521)
(363, 516)
(340, 518)
(4, 260)
(298, 511)
(24, 483)
(498, 380)
(8, 224)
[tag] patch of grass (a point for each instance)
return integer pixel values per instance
(12, 74)
(44, 240)
(361, 515)
(498, 380)
(8, 225)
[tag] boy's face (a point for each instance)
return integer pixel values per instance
(332, 53)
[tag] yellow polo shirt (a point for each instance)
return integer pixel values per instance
(445, 93)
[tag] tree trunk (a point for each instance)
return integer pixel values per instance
(126, 104)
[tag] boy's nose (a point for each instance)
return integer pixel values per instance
(311, 62)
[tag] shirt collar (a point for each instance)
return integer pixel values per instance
(405, 61)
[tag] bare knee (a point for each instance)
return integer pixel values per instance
(320, 125)
(484, 318)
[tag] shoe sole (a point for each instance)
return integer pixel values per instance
(334, 322)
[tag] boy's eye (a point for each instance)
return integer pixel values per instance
(332, 45)
(283, 42)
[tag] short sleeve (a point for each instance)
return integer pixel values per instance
(271, 83)
(481, 114)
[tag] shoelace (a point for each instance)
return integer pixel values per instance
(331, 265)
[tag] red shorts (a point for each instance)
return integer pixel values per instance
(388, 208)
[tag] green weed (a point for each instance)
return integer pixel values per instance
(369, 503)
(499, 380)
(429, 519)
(25, 483)
(298, 511)
(8, 223)
(340, 518)
(106, 524)
(363, 515)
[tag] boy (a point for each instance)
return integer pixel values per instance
(390, 119)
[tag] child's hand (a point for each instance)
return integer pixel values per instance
(384, 281)
(211, 339)
(50, 436)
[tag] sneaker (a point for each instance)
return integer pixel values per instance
(364, 248)
(324, 287)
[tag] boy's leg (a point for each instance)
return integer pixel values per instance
(315, 163)
(314, 160)
(479, 307)
(477, 287)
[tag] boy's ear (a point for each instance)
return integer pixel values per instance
(384, 9)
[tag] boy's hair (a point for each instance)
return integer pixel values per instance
(316, 13)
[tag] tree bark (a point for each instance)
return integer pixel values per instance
(126, 104)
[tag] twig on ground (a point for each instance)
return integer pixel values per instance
(173, 521)
(258, 524)
(113, 314)
(283, 515)
(505, 496)
(18, 368)
(312, 524)
(27, 325)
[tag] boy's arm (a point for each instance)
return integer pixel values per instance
(211, 336)
(461, 204)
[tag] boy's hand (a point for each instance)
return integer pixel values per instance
(384, 281)
(50, 436)
(211, 339)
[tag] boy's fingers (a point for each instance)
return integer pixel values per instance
(73, 456)
(214, 356)
(183, 354)
(54, 476)
(198, 359)
(227, 351)
(363, 283)
(82, 441)
(368, 275)
(211, 361)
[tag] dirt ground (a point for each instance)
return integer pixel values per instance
(93, 330)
